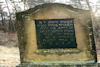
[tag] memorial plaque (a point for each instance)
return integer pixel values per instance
(55, 33)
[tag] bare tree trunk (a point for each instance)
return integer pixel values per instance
(3, 23)
(29, 3)
(24, 4)
(14, 5)
(87, 1)
(13, 24)
(10, 21)
(92, 14)
(80, 3)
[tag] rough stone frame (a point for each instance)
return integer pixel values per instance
(81, 19)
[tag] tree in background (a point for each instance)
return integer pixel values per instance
(21, 5)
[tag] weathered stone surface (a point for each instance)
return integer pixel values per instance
(69, 65)
(27, 33)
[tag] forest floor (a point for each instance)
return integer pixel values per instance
(9, 52)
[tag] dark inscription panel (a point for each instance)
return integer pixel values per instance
(53, 34)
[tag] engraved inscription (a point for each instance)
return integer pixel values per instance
(53, 34)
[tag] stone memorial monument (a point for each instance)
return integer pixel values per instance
(55, 34)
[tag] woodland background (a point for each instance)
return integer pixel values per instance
(9, 52)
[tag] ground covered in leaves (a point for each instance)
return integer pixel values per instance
(9, 52)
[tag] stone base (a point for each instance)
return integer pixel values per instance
(59, 65)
